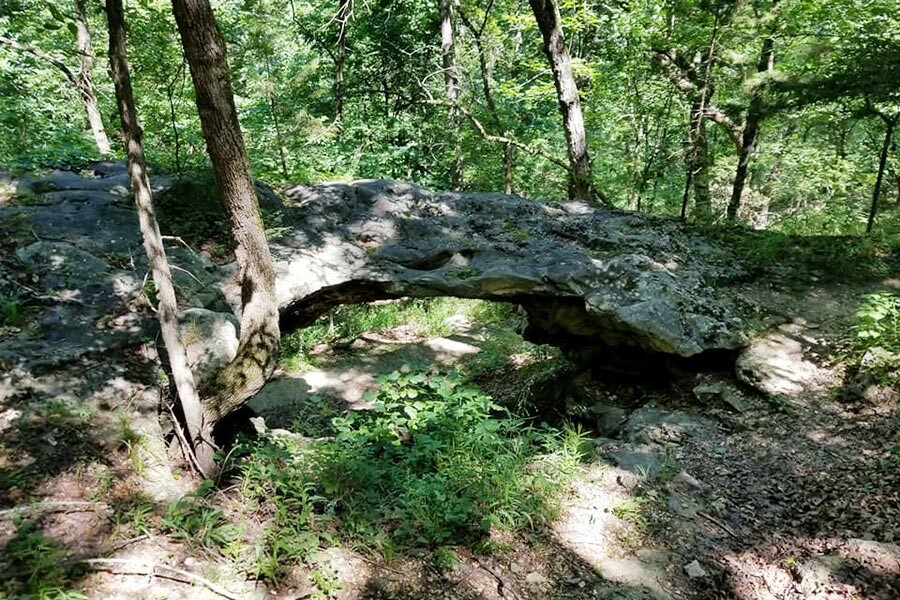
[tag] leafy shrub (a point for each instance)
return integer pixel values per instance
(878, 321)
(432, 463)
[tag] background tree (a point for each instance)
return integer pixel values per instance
(548, 20)
(82, 80)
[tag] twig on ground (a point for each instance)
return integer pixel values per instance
(128, 542)
(718, 523)
(130, 567)
(55, 506)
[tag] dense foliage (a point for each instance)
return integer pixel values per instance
(826, 101)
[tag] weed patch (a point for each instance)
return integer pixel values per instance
(434, 464)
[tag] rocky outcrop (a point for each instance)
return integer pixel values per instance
(598, 283)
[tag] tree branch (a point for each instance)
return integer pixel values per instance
(38, 53)
(734, 131)
(500, 139)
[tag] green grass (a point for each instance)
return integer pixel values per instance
(427, 316)
(197, 522)
(434, 464)
(11, 310)
(38, 567)
(839, 257)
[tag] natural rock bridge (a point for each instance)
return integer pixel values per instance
(590, 279)
(595, 282)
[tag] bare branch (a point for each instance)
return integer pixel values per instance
(132, 567)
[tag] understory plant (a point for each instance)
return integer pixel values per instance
(433, 464)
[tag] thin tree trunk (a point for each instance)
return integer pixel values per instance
(686, 195)
(508, 152)
(547, 16)
(259, 342)
(85, 77)
(890, 123)
(508, 155)
(698, 157)
(84, 88)
(345, 12)
(451, 85)
(750, 135)
(273, 108)
(199, 431)
(698, 163)
(170, 95)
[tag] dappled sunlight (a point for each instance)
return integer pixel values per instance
(613, 545)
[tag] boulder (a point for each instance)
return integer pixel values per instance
(776, 364)
(210, 339)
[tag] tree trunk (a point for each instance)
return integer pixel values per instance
(345, 11)
(508, 152)
(173, 118)
(890, 123)
(750, 134)
(451, 85)
(81, 81)
(547, 16)
(85, 77)
(259, 342)
(698, 163)
(273, 109)
(199, 432)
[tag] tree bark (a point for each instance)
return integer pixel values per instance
(698, 162)
(548, 20)
(199, 431)
(750, 134)
(85, 76)
(345, 12)
(451, 85)
(890, 123)
(259, 342)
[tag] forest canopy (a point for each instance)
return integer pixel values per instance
(675, 97)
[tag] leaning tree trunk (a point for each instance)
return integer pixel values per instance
(547, 16)
(890, 123)
(259, 342)
(750, 134)
(85, 76)
(451, 85)
(199, 432)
